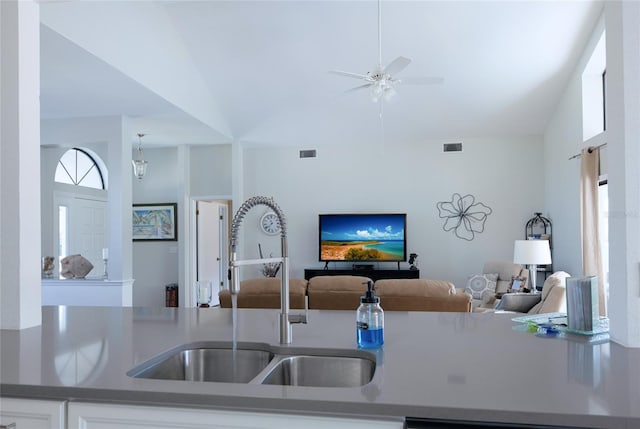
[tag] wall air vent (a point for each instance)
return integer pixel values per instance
(452, 147)
(308, 153)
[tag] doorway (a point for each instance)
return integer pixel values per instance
(210, 240)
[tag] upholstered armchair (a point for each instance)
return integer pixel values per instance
(552, 299)
(496, 279)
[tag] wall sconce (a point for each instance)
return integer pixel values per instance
(139, 164)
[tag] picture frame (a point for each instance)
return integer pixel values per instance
(155, 222)
(517, 285)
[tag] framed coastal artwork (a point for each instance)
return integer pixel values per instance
(155, 222)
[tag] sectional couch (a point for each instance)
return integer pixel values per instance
(344, 292)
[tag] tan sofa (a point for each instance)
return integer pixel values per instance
(344, 292)
(265, 293)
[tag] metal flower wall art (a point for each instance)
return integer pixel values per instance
(463, 216)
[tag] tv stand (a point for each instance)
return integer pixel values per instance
(372, 274)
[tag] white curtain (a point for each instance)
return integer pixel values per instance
(591, 257)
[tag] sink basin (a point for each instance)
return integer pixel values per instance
(206, 363)
(321, 371)
(258, 363)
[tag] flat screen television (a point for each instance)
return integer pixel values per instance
(380, 237)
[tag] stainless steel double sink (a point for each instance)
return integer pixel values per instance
(258, 363)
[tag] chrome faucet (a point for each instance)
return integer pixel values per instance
(286, 319)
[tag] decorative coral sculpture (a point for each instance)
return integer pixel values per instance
(75, 267)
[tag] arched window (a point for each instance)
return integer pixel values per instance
(77, 167)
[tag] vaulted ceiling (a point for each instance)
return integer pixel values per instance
(202, 72)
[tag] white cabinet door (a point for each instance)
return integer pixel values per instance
(109, 416)
(32, 414)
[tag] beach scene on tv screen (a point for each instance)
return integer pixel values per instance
(362, 238)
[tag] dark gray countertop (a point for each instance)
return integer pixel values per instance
(433, 365)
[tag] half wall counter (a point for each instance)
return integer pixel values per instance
(90, 292)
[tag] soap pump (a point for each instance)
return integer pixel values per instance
(370, 319)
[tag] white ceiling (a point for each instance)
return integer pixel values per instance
(265, 64)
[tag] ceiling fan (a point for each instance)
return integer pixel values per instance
(379, 80)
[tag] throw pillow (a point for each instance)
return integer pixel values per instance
(482, 286)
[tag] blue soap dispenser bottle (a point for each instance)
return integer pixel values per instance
(370, 320)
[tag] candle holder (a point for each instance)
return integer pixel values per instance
(105, 260)
(203, 293)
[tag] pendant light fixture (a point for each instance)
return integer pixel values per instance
(139, 164)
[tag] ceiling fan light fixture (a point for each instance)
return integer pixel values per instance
(139, 164)
(388, 93)
(379, 80)
(376, 92)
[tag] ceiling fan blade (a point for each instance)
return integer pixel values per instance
(348, 74)
(357, 88)
(421, 80)
(396, 66)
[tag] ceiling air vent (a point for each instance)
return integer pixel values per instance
(452, 147)
(308, 153)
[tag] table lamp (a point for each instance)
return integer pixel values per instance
(532, 253)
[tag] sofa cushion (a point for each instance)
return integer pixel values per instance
(339, 283)
(415, 287)
(336, 292)
(482, 286)
(421, 295)
(265, 293)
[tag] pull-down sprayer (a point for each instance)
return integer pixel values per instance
(234, 264)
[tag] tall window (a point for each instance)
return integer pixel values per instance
(603, 219)
(63, 228)
(77, 167)
(594, 91)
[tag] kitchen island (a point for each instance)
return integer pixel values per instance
(434, 366)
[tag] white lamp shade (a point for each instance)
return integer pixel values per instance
(532, 252)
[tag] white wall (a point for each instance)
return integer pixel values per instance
(19, 165)
(623, 71)
(505, 174)
(155, 263)
(210, 172)
(563, 139)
